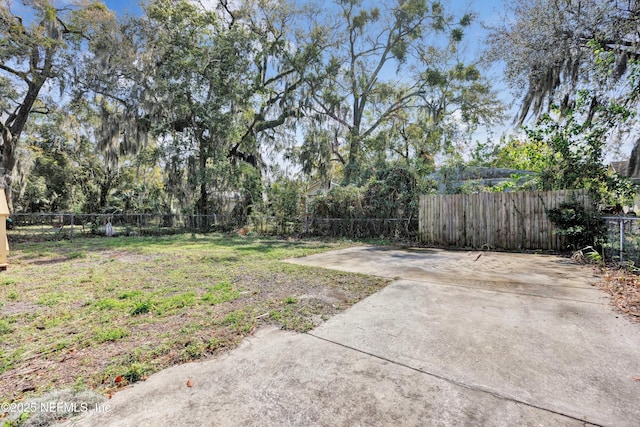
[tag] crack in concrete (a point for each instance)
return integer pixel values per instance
(457, 382)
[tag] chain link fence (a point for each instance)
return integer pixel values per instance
(56, 226)
(52, 226)
(623, 239)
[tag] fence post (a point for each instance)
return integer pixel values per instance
(621, 238)
(71, 229)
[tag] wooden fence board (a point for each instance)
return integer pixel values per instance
(512, 221)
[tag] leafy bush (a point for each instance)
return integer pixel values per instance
(392, 193)
(340, 202)
(582, 227)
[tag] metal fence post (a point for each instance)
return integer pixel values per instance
(621, 238)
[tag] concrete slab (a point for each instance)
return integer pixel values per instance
(461, 338)
(279, 378)
(573, 358)
(542, 275)
(531, 328)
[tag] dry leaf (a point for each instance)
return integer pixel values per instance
(189, 383)
(119, 379)
(636, 378)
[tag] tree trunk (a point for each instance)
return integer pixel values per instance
(14, 125)
(352, 170)
(203, 203)
(8, 161)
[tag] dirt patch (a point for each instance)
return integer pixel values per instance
(11, 308)
(47, 261)
(127, 257)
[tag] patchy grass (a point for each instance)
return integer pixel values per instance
(102, 313)
(103, 335)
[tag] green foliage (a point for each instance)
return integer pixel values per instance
(362, 112)
(285, 198)
(5, 327)
(135, 372)
(340, 202)
(222, 292)
(42, 51)
(512, 153)
(141, 307)
(110, 334)
(575, 150)
(170, 111)
(580, 226)
(290, 300)
(392, 194)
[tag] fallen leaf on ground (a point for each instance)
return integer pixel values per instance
(636, 378)
(189, 383)
(119, 379)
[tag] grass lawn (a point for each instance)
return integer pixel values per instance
(101, 313)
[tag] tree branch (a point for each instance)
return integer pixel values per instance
(21, 74)
(329, 113)
(225, 6)
(45, 111)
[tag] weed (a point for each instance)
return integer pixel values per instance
(194, 350)
(141, 307)
(80, 384)
(189, 328)
(7, 282)
(222, 292)
(239, 321)
(290, 300)
(61, 345)
(175, 302)
(75, 255)
(130, 294)
(135, 372)
(50, 300)
(213, 344)
(291, 319)
(5, 328)
(105, 335)
(12, 296)
(108, 304)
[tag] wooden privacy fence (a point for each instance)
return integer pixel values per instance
(511, 221)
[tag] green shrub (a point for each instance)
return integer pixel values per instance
(580, 226)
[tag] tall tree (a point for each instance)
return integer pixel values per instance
(179, 73)
(552, 49)
(381, 66)
(282, 57)
(35, 51)
(217, 84)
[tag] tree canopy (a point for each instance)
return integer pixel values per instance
(554, 48)
(187, 103)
